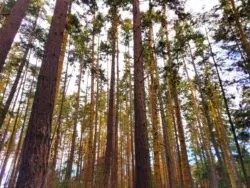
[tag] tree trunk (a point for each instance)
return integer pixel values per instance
(111, 121)
(213, 181)
(96, 114)
(153, 107)
(89, 172)
(142, 159)
(114, 180)
(10, 28)
(13, 89)
(207, 113)
(16, 161)
(74, 135)
(12, 136)
(34, 164)
(172, 82)
(59, 120)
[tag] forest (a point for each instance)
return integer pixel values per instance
(125, 94)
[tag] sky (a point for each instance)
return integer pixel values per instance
(198, 5)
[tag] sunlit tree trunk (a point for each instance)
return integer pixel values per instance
(89, 172)
(213, 181)
(172, 82)
(153, 107)
(228, 112)
(59, 120)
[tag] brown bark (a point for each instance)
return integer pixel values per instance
(19, 72)
(111, 115)
(10, 28)
(63, 49)
(223, 140)
(34, 163)
(142, 159)
(178, 152)
(153, 107)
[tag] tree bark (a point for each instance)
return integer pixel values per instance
(111, 115)
(142, 159)
(10, 28)
(34, 164)
(153, 106)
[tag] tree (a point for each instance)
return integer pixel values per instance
(34, 164)
(142, 160)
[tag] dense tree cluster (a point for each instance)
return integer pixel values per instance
(119, 93)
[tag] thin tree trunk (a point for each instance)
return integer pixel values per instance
(114, 181)
(111, 121)
(213, 181)
(153, 107)
(74, 135)
(17, 152)
(131, 99)
(13, 89)
(172, 176)
(13, 107)
(12, 136)
(172, 82)
(89, 172)
(59, 119)
(34, 164)
(204, 100)
(96, 114)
